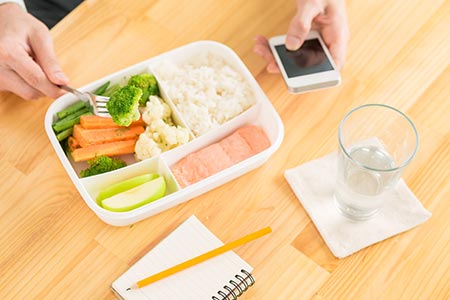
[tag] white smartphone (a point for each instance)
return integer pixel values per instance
(308, 68)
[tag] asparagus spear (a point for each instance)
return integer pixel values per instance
(102, 89)
(71, 109)
(64, 134)
(70, 120)
(111, 90)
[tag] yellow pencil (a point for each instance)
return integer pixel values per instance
(202, 257)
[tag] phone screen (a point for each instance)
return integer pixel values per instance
(309, 59)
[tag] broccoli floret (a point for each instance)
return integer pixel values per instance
(102, 164)
(123, 106)
(147, 83)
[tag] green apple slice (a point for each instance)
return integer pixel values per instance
(125, 185)
(137, 196)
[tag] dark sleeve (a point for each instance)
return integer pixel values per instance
(51, 12)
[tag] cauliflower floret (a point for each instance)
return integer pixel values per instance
(176, 136)
(161, 134)
(156, 109)
(167, 136)
(146, 147)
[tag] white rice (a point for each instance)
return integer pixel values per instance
(206, 91)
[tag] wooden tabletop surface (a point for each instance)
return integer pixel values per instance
(52, 246)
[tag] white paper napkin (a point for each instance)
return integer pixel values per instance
(313, 184)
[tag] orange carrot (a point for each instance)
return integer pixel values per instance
(108, 149)
(73, 143)
(87, 137)
(94, 122)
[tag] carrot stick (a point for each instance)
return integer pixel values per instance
(95, 122)
(73, 143)
(87, 137)
(109, 149)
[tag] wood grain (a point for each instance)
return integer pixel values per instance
(54, 247)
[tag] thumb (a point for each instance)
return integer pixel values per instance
(301, 24)
(42, 46)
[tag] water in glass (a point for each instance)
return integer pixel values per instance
(361, 182)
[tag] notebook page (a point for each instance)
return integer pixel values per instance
(199, 282)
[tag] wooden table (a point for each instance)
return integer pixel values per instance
(52, 246)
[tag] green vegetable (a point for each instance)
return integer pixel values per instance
(72, 109)
(65, 145)
(64, 134)
(147, 83)
(123, 106)
(70, 120)
(102, 164)
(102, 89)
(111, 90)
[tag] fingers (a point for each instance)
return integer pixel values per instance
(32, 74)
(337, 50)
(262, 49)
(336, 36)
(27, 61)
(12, 82)
(42, 47)
(301, 23)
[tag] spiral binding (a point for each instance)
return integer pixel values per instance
(237, 287)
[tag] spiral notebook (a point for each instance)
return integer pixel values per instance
(223, 277)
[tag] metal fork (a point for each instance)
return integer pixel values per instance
(97, 102)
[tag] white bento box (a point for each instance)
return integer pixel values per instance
(261, 114)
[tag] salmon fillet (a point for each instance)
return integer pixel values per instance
(255, 137)
(214, 159)
(201, 164)
(236, 147)
(189, 170)
(243, 143)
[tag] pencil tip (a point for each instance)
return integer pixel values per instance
(128, 289)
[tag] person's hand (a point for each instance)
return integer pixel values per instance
(28, 66)
(328, 17)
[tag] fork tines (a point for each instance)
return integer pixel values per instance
(100, 106)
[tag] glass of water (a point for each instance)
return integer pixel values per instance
(376, 143)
